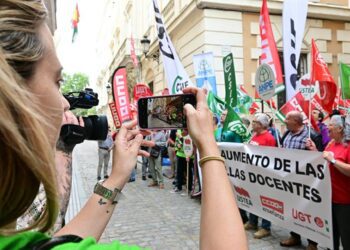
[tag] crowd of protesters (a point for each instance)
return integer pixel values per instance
(329, 138)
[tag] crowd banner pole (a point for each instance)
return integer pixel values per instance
(188, 150)
(187, 174)
(274, 124)
(310, 110)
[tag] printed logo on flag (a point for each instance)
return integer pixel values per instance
(306, 88)
(179, 84)
(265, 82)
(238, 127)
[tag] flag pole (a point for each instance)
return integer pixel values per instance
(310, 110)
(274, 124)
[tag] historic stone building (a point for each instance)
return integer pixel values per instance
(197, 26)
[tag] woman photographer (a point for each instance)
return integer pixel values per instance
(31, 112)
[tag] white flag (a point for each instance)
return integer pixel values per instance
(175, 73)
(294, 18)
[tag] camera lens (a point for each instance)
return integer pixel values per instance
(96, 127)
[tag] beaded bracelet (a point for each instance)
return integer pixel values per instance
(211, 158)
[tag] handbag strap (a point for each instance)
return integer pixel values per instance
(49, 243)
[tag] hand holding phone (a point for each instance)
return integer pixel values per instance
(164, 112)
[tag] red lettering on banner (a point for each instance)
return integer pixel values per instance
(304, 217)
(114, 115)
(121, 97)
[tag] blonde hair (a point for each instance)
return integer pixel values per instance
(25, 156)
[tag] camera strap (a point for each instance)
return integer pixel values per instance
(72, 134)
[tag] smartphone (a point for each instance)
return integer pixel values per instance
(163, 112)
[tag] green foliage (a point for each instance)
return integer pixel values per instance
(85, 112)
(75, 82)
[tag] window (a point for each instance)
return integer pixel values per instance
(150, 85)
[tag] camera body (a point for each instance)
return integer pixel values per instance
(95, 127)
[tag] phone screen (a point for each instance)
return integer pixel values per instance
(164, 112)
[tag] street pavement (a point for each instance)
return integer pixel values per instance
(147, 216)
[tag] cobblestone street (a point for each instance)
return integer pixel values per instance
(149, 217)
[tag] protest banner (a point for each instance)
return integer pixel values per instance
(320, 73)
(269, 50)
(176, 75)
(294, 19)
(121, 95)
(265, 82)
(291, 188)
(114, 113)
(204, 70)
(230, 81)
(345, 80)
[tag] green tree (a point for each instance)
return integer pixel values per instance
(76, 83)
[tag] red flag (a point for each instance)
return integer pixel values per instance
(269, 50)
(341, 104)
(254, 106)
(141, 90)
(165, 91)
(121, 95)
(298, 103)
(132, 52)
(320, 73)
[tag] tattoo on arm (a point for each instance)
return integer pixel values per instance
(101, 202)
(61, 146)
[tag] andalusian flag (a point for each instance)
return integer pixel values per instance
(75, 21)
(345, 80)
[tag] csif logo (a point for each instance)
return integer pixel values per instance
(228, 64)
(179, 84)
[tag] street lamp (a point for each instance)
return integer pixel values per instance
(108, 87)
(145, 43)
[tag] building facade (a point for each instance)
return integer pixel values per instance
(197, 26)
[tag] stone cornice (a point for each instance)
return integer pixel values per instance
(316, 10)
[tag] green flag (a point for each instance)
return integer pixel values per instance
(215, 103)
(230, 81)
(245, 102)
(234, 124)
(345, 80)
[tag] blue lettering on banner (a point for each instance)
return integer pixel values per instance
(266, 86)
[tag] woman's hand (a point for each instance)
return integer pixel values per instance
(199, 122)
(126, 149)
(328, 155)
(310, 145)
(70, 118)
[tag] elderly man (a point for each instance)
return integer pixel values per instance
(297, 137)
(261, 137)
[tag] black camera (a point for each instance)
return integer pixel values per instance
(95, 127)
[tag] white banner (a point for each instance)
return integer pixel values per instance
(204, 70)
(294, 18)
(175, 73)
(291, 188)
